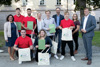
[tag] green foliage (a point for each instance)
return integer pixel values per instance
(94, 3)
(7, 2)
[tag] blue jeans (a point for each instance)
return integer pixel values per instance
(59, 33)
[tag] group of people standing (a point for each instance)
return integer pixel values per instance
(19, 39)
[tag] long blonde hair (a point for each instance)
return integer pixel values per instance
(43, 31)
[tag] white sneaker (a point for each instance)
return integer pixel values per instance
(56, 56)
(49, 55)
(1, 51)
(73, 58)
(20, 62)
(62, 57)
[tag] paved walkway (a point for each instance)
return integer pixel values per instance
(67, 62)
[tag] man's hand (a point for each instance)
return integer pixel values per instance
(26, 28)
(48, 29)
(37, 46)
(47, 45)
(60, 27)
(82, 30)
(57, 27)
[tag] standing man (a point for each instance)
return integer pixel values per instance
(58, 17)
(18, 18)
(28, 19)
(47, 21)
(88, 24)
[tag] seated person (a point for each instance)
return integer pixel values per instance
(23, 42)
(48, 43)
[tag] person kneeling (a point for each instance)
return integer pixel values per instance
(23, 42)
(48, 43)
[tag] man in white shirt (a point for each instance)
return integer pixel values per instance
(87, 27)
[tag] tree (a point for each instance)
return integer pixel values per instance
(7, 2)
(81, 4)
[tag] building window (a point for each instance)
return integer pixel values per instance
(41, 2)
(25, 2)
(58, 2)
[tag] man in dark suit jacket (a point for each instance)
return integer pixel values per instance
(58, 17)
(87, 27)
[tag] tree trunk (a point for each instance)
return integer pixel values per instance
(82, 5)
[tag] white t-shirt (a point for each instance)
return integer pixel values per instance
(40, 24)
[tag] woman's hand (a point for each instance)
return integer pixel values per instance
(6, 40)
(47, 45)
(37, 46)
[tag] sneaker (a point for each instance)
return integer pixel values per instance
(20, 62)
(1, 51)
(73, 58)
(62, 57)
(49, 55)
(56, 56)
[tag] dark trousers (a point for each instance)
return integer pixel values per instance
(58, 32)
(51, 37)
(19, 33)
(75, 38)
(31, 54)
(88, 46)
(70, 44)
(28, 35)
(36, 56)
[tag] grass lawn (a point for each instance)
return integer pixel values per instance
(96, 38)
(2, 41)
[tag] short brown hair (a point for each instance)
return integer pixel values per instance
(66, 12)
(48, 11)
(28, 9)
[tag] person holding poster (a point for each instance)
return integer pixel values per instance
(18, 18)
(29, 23)
(69, 24)
(23, 42)
(42, 42)
(47, 25)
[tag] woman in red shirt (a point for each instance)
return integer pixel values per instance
(67, 23)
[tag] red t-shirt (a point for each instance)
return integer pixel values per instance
(23, 42)
(25, 20)
(66, 23)
(18, 19)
